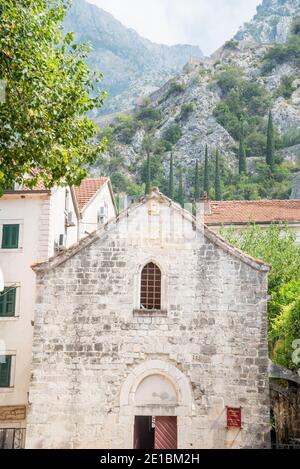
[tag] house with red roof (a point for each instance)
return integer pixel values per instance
(35, 225)
(239, 213)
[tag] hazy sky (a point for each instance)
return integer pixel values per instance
(207, 23)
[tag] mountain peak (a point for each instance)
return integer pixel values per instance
(272, 22)
(131, 64)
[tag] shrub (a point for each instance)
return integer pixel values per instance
(285, 88)
(186, 110)
(173, 134)
(125, 128)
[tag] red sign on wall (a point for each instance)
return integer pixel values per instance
(234, 417)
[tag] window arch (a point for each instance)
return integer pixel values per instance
(150, 287)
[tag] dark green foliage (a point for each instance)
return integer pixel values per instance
(218, 190)
(206, 173)
(270, 154)
(285, 88)
(243, 101)
(147, 115)
(282, 53)
(242, 153)
(180, 196)
(148, 177)
(232, 44)
(173, 134)
(175, 88)
(197, 183)
(296, 26)
(171, 178)
(186, 110)
(125, 128)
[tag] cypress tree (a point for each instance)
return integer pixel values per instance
(148, 180)
(206, 172)
(197, 183)
(242, 153)
(270, 142)
(171, 178)
(180, 189)
(218, 193)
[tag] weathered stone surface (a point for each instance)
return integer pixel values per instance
(92, 350)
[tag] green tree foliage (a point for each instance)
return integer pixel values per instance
(285, 88)
(147, 115)
(242, 153)
(270, 154)
(125, 128)
(276, 246)
(206, 173)
(242, 100)
(171, 178)
(173, 134)
(197, 182)
(44, 126)
(282, 53)
(180, 196)
(148, 148)
(186, 110)
(218, 190)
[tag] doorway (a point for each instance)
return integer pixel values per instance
(155, 432)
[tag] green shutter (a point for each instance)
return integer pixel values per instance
(5, 367)
(8, 302)
(10, 236)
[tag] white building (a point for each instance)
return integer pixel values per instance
(35, 225)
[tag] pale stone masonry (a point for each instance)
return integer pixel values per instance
(99, 360)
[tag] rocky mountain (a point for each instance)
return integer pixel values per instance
(132, 66)
(271, 23)
(203, 106)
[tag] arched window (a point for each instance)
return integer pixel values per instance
(151, 287)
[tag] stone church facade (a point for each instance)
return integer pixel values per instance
(148, 333)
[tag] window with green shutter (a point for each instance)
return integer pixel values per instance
(8, 302)
(10, 236)
(5, 370)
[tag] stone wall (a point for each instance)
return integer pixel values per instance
(92, 349)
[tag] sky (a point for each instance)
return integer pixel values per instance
(207, 23)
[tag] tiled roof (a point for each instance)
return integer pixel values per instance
(87, 189)
(260, 211)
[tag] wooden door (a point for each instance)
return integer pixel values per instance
(165, 432)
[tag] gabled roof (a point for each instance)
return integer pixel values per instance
(63, 256)
(87, 190)
(259, 211)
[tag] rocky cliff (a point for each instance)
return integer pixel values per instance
(132, 66)
(271, 23)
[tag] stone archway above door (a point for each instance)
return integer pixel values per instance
(156, 383)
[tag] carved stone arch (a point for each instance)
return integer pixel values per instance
(137, 282)
(161, 368)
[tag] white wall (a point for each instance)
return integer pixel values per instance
(16, 333)
(88, 223)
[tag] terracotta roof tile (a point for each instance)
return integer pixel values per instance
(87, 189)
(260, 211)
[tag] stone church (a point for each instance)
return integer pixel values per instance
(150, 333)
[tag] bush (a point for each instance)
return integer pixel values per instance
(125, 127)
(148, 115)
(186, 110)
(285, 88)
(282, 53)
(291, 138)
(228, 79)
(173, 134)
(175, 88)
